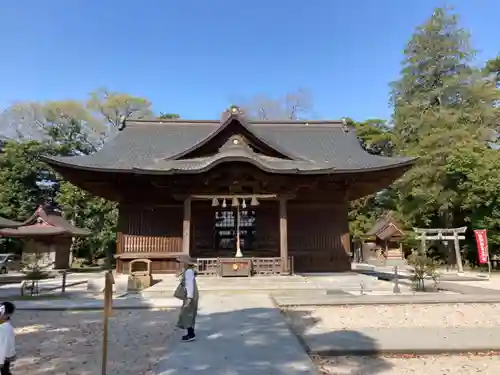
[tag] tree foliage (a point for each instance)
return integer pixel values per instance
(22, 175)
(441, 103)
(446, 114)
(96, 214)
(168, 116)
(63, 128)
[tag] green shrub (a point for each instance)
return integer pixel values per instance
(424, 268)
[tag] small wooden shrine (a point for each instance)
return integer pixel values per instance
(383, 242)
(238, 195)
(47, 236)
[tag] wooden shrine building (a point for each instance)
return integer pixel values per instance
(47, 236)
(385, 242)
(275, 192)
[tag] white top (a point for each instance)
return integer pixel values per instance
(7, 342)
(189, 282)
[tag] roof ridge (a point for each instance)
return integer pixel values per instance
(258, 123)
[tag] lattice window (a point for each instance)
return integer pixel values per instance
(225, 223)
(225, 229)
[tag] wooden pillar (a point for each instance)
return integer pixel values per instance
(186, 226)
(284, 236)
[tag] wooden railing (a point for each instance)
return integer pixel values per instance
(148, 244)
(260, 266)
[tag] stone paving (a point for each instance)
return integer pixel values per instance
(70, 343)
(238, 335)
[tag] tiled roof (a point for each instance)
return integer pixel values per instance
(43, 222)
(154, 147)
(386, 226)
(6, 223)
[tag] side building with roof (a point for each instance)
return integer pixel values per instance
(47, 237)
(273, 193)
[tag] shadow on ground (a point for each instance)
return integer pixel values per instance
(340, 341)
(70, 342)
(255, 341)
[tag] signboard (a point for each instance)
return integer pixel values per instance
(482, 245)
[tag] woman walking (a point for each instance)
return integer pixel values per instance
(187, 291)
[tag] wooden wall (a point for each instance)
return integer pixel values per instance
(152, 233)
(318, 236)
(52, 252)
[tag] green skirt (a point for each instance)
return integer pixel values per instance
(187, 316)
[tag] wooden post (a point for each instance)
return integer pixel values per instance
(460, 267)
(284, 237)
(63, 287)
(108, 309)
(186, 226)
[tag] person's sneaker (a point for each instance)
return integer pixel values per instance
(188, 338)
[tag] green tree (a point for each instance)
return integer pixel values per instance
(474, 170)
(440, 102)
(377, 138)
(25, 179)
(112, 106)
(493, 67)
(435, 69)
(96, 214)
(168, 116)
(65, 128)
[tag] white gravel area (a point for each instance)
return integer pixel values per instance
(443, 365)
(390, 316)
(70, 343)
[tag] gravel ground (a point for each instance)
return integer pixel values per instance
(390, 316)
(70, 343)
(443, 365)
(393, 316)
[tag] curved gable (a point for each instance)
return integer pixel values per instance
(233, 123)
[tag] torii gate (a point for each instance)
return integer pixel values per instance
(445, 235)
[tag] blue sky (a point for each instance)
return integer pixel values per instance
(195, 57)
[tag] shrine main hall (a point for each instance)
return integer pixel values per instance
(272, 195)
